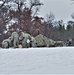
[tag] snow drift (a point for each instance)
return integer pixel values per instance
(37, 61)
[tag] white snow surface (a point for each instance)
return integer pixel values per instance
(56, 60)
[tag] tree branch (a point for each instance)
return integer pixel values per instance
(2, 4)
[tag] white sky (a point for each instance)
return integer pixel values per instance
(62, 9)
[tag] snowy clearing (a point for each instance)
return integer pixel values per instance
(57, 60)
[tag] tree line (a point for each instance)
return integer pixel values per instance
(21, 14)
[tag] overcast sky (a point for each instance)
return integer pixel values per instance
(62, 9)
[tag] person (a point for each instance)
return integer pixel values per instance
(14, 38)
(69, 42)
(6, 43)
(40, 41)
(27, 38)
(33, 41)
(22, 40)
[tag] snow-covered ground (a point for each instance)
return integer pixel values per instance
(57, 60)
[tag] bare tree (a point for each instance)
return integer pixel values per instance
(19, 3)
(35, 5)
(72, 15)
(2, 3)
(50, 18)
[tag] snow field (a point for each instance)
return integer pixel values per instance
(57, 60)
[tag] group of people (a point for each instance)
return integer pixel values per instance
(19, 39)
(22, 39)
